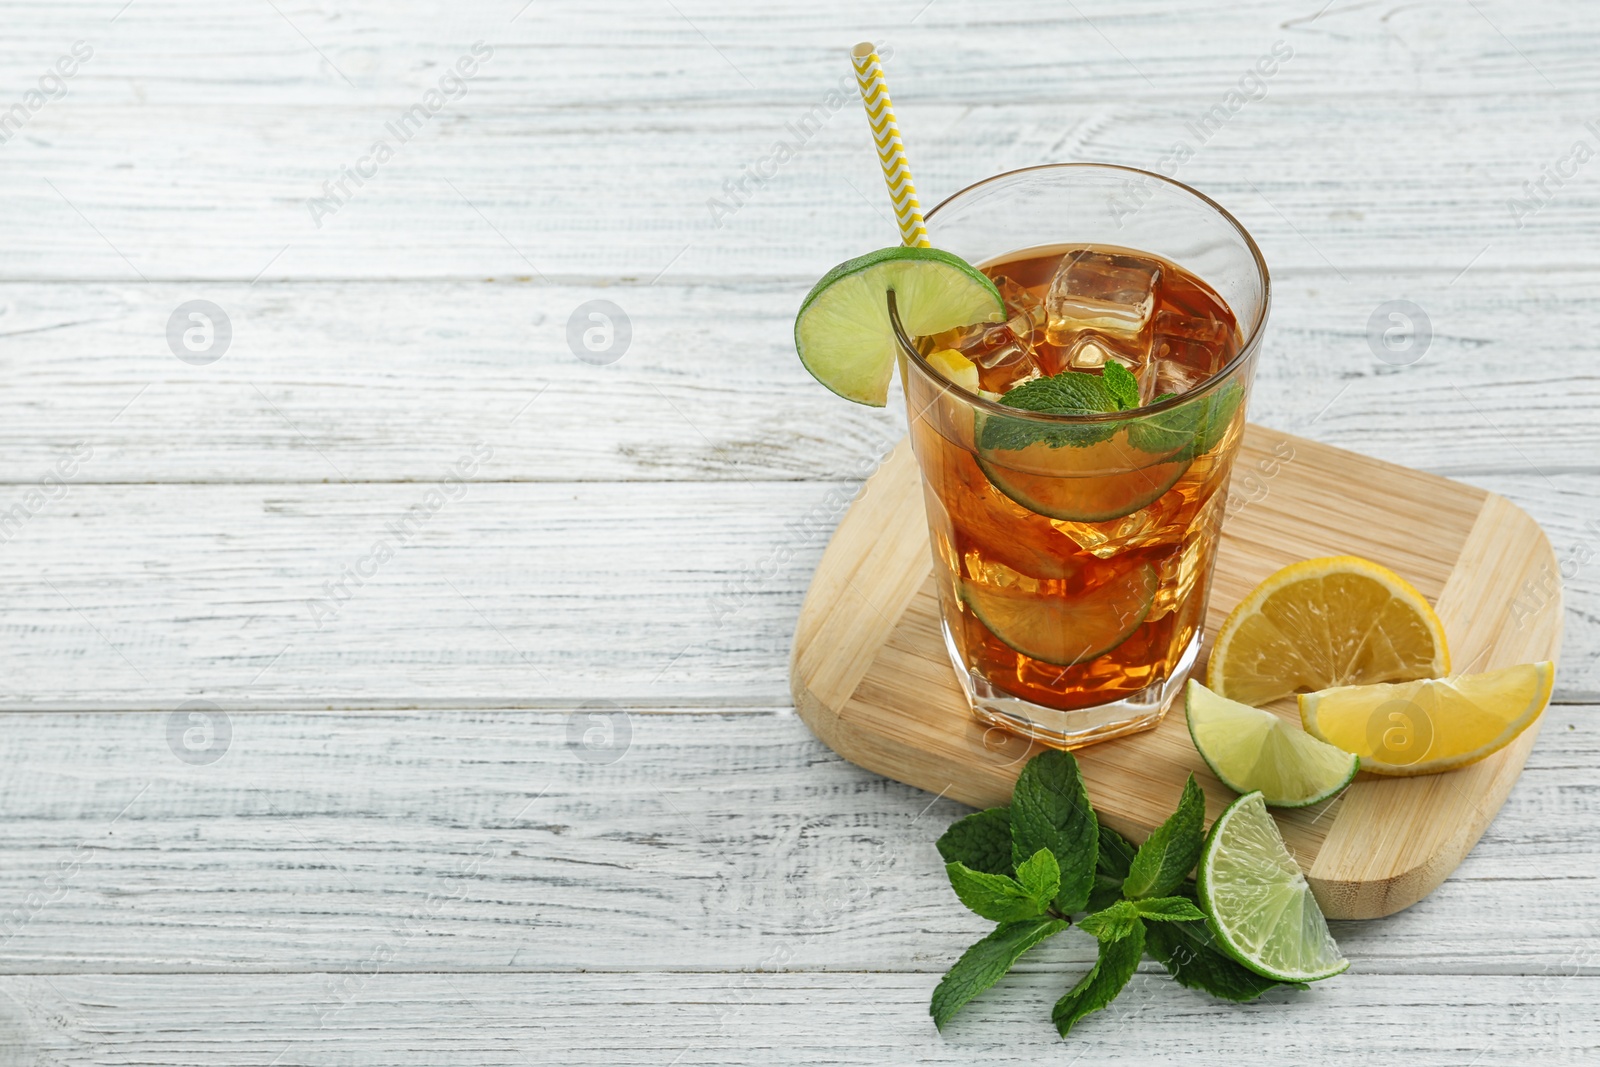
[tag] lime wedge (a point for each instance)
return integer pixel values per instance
(843, 333)
(1258, 903)
(1251, 749)
(1064, 630)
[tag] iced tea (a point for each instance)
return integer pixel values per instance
(1073, 559)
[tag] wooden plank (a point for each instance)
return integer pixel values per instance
(394, 52)
(533, 194)
(510, 594)
(784, 1018)
(392, 382)
(461, 840)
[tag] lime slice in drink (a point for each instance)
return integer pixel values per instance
(1069, 629)
(1258, 903)
(1251, 749)
(1089, 483)
(843, 333)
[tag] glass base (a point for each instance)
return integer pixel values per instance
(1071, 729)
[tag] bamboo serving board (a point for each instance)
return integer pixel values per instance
(871, 677)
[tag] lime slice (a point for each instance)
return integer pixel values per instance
(1064, 630)
(1258, 903)
(843, 332)
(1080, 484)
(1251, 749)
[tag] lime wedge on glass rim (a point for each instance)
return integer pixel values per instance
(843, 333)
(1252, 749)
(1258, 903)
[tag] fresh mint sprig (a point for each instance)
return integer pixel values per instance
(1031, 866)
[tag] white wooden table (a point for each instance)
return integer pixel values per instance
(523, 785)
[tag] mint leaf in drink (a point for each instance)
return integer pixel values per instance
(1050, 810)
(1218, 416)
(1040, 875)
(1113, 923)
(1167, 432)
(997, 897)
(1168, 909)
(1071, 392)
(981, 841)
(1111, 971)
(1110, 868)
(986, 962)
(1170, 853)
(1190, 429)
(1068, 393)
(1121, 384)
(1190, 954)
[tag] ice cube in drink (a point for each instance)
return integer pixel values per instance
(1111, 293)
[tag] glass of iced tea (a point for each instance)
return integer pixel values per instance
(1073, 552)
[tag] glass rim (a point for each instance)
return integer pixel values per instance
(1252, 339)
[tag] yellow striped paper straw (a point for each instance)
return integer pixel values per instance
(891, 152)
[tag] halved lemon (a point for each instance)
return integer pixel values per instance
(1340, 620)
(1064, 630)
(1431, 725)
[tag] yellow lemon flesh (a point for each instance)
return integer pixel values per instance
(956, 368)
(1337, 621)
(1432, 725)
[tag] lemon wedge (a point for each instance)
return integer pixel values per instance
(956, 368)
(1432, 725)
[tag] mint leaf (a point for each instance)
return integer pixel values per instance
(1069, 393)
(1040, 875)
(1110, 868)
(1170, 853)
(997, 897)
(1118, 960)
(1050, 810)
(981, 841)
(1167, 432)
(1218, 409)
(1168, 909)
(1189, 953)
(985, 963)
(1113, 923)
(1191, 428)
(1121, 384)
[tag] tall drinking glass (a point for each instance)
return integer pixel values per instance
(1073, 553)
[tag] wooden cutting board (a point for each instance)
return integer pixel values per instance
(871, 677)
